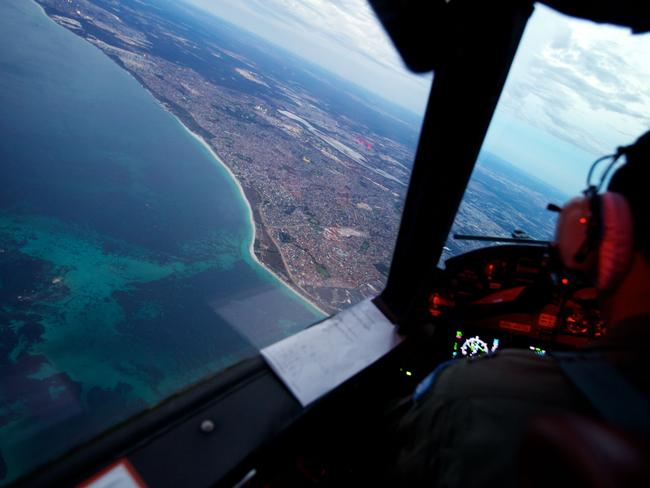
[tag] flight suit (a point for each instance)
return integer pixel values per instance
(467, 430)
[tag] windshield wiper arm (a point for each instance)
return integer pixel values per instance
(518, 240)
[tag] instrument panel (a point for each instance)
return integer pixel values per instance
(515, 296)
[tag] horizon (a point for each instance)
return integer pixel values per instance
(378, 77)
(592, 98)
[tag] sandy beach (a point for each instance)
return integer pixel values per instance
(251, 219)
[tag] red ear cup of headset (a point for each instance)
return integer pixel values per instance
(571, 234)
(617, 240)
(597, 235)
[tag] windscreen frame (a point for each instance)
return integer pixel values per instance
(434, 194)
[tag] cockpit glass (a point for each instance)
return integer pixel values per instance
(576, 91)
(182, 183)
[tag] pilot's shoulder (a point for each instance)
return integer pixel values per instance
(511, 373)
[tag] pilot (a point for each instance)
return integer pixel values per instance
(467, 428)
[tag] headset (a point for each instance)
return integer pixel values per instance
(595, 231)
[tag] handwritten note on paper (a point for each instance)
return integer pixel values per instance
(318, 359)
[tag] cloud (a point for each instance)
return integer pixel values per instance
(562, 38)
(587, 84)
(348, 24)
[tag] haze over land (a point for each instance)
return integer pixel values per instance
(342, 36)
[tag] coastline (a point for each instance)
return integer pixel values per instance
(288, 284)
(251, 219)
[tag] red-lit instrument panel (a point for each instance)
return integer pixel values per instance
(518, 291)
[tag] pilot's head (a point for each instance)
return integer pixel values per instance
(603, 234)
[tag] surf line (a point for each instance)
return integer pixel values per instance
(249, 208)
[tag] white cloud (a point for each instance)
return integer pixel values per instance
(586, 83)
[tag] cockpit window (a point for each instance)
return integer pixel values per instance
(576, 91)
(182, 183)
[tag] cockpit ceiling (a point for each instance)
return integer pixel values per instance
(424, 31)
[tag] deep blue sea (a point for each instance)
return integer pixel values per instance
(125, 271)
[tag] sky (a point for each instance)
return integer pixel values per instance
(343, 36)
(576, 90)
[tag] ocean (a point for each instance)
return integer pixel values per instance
(126, 271)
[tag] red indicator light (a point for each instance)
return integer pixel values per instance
(434, 303)
(437, 303)
(565, 281)
(583, 220)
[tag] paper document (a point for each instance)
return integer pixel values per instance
(318, 359)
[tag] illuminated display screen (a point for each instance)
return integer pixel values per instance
(538, 350)
(473, 345)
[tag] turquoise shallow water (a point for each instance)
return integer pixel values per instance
(125, 274)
